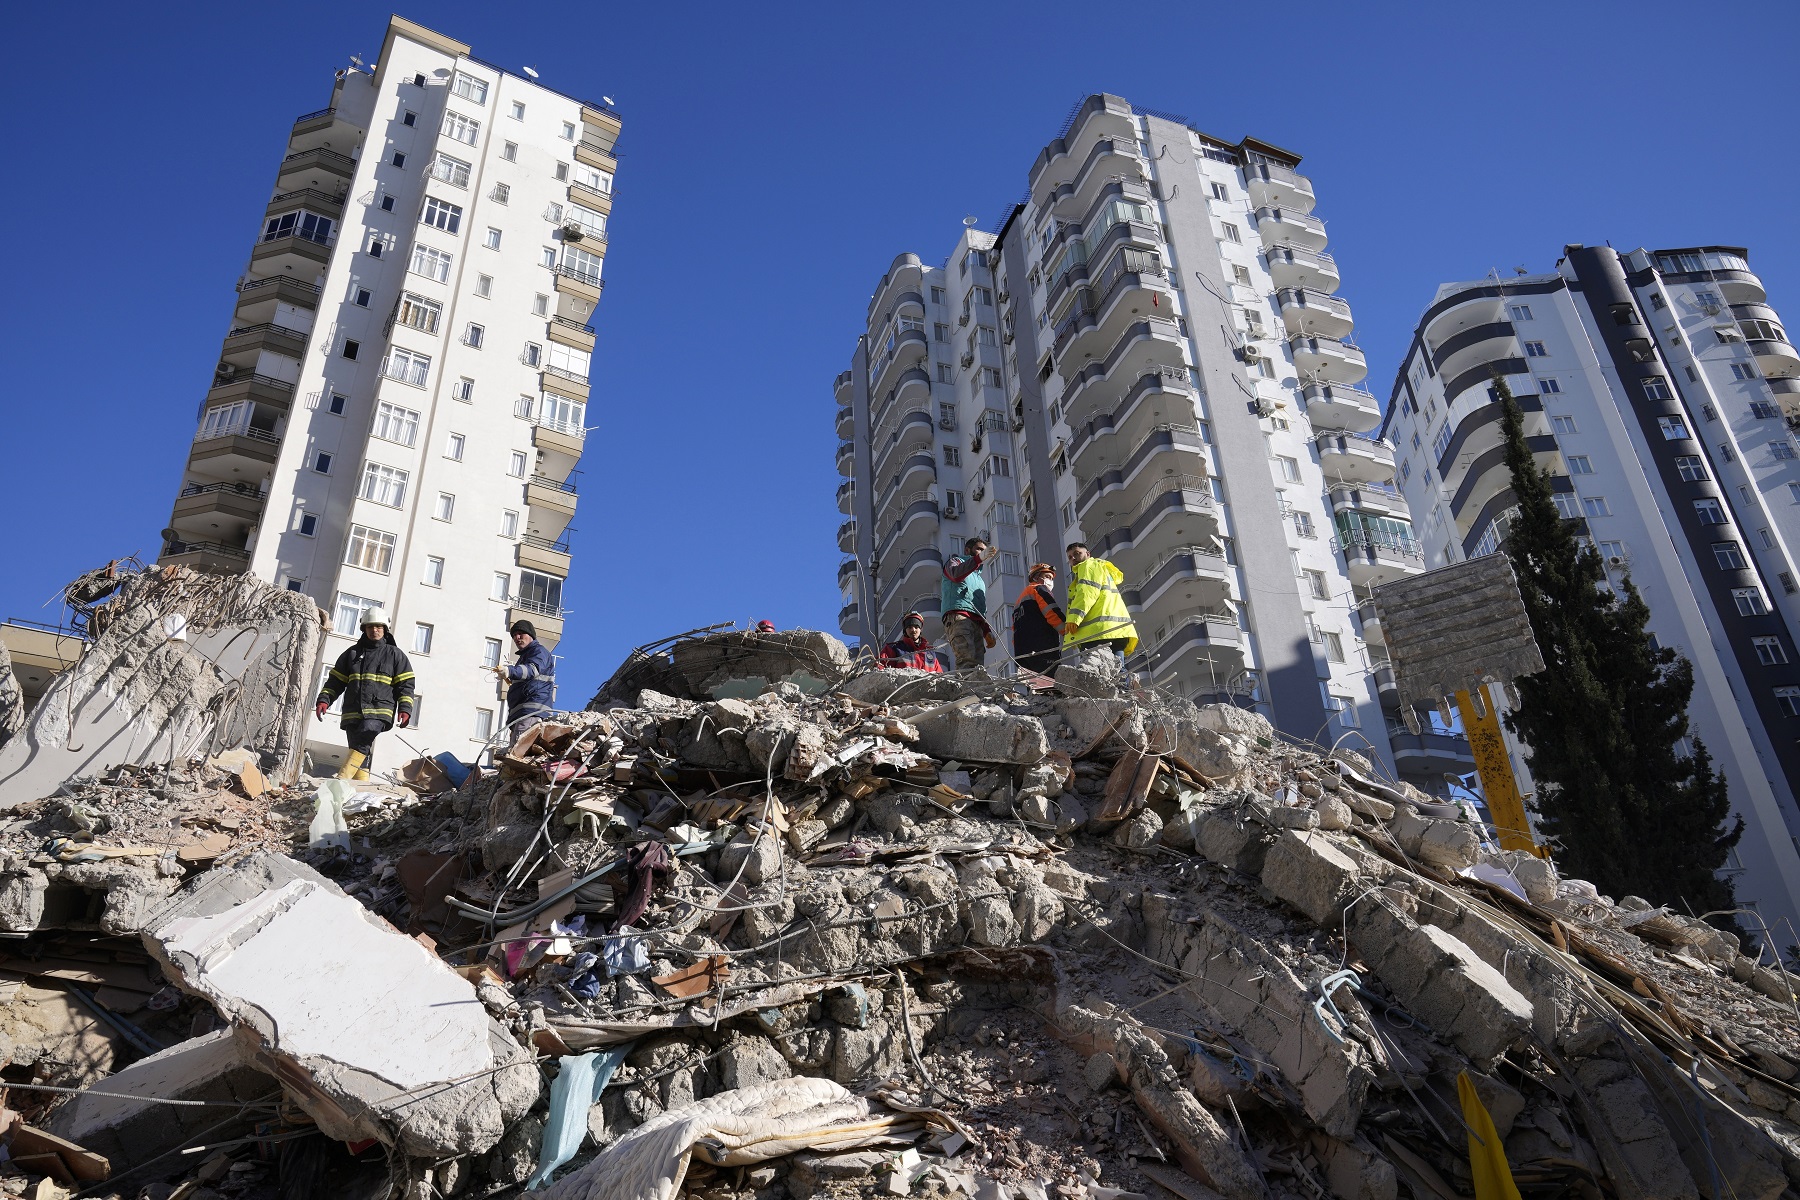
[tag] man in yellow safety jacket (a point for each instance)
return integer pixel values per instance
(1098, 628)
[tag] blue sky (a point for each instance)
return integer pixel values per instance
(774, 161)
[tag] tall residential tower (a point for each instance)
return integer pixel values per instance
(1658, 389)
(1147, 355)
(401, 397)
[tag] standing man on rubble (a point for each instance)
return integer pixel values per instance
(962, 599)
(912, 650)
(1037, 621)
(375, 678)
(1099, 627)
(531, 681)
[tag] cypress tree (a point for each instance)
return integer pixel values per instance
(1603, 719)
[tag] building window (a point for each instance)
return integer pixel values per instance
(484, 720)
(309, 525)
(1315, 583)
(446, 507)
(1674, 429)
(1728, 555)
(384, 484)
(952, 456)
(1749, 601)
(471, 88)
(1289, 468)
(484, 286)
(490, 653)
(375, 246)
(592, 179)
(509, 151)
(1789, 700)
(1219, 191)
(1563, 424)
(509, 524)
(460, 128)
(454, 445)
(431, 263)
(346, 614)
(394, 423)
(940, 332)
(434, 573)
(581, 265)
(1769, 651)
(1743, 371)
(1787, 582)
(335, 406)
(1536, 350)
(1657, 388)
(1709, 511)
(1549, 387)
(1782, 449)
(1595, 506)
(990, 377)
(1691, 468)
(1231, 232)
(422, 638)
(439, 215)
(562, 172)
(502, 586)
(370, 549)
(516, 468)
(322, 463)
(1441, 442)
(352, 348)
(492, 241)
(540, 305)
(363, 297)
(463, 389)
(399, 159)
(1520, 312)
(1240, 274)
(408, 366)
(453, 171)
(417, 312)
(533, 355)
(1334, 647)
(1580, 464)
(944, 374)
(542, 592)
(524, 407)
(474, 335)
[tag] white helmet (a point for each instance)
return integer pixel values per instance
(375, 616)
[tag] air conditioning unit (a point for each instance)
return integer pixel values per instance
(963, 320)
(1029, 518)
(1615, 560)
(1262, 407)
(1251, 353)
(1711, 308)
(951, 512)
(968, 359)
(1007, 335)
(1004, 295)
(975, 443)
(572, 231)
(946, 422)
(1018, 424)
(225, 372)
(979, 492)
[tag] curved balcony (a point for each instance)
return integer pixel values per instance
(1738, 285)
(1335, 406)
(845, 423)
(260, 299)
(244, 450)
(846, 496)
(847, 573)
(1290, 227)
(1370, 622)
(1159, 396)
(202, 510)
(1132, 285)
(1207, 647)
(258, 389)
(246, 344)
(1275, 186)
(1099, 116)
(903, 273)
(1141, 244)
(847, 620)
(324, 169)
(1329, 360)
(1176, 512)
(1164, 451)
(916, 576)
(1428, 756)
(846, 536)
(1348, 458)
(1775, 359)
(1111, 160)
(1148, 345)
(1372, 561)
(915, 432)
(1179, 580)
(1306, 311)
(916, 526)
(917, 471)
(907, 348)
(209, 558)
(1466, 309)
(842, 387)
(1478, 432)
(1473, 345)
(910, 394)
(1382, 499)
(846, 459)
(1387, 688)
(1296, 266)
(1485, 487)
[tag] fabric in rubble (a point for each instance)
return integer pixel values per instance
(577, 1086)
(648, 863)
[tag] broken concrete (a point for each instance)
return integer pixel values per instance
(747, 663)
(983, 734)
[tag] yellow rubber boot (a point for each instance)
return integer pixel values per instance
(362, 776)
(352, 767)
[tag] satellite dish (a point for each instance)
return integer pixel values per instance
(531, 72)
(606, 100)
(971, 222)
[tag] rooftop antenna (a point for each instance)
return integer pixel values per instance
(531, 72)
(356, 61)
(606, 100)
(970, 222)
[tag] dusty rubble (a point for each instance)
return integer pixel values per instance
(765, 923)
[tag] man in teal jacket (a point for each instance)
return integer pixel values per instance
(962, 600)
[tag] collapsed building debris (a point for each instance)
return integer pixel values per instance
(784, 926)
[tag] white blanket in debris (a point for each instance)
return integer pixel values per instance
(731, 1129)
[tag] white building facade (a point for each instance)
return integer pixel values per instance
(401, 400)
(1657, 388)
(1148, 356)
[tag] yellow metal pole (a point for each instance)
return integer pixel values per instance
(1498, 784)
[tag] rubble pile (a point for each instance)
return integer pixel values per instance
(766, 923)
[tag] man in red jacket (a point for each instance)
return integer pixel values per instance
(912, 650)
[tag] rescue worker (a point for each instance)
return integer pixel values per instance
(1037, 621)
(765, 626)
(962, 598)
(531, 686)
(1098, 628)
(912, 650)
(375, 678)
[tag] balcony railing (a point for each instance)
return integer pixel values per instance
(573, 429)
(219, 548)
(1379, 544)
(566, 486)
(325, 158)
(203, 434)
(565, 373)
(543, 543)
(591, 278)
(597, 148)
(235, 489)
(539, 607)
(313, 116)
(585, 231)
(409, 371)
(268, 327)
(268, 381)
(276, 281)
(587, 327)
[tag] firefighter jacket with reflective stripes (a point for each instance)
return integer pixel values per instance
(1096, 608)
(375, 680)
(1037, 621)
(533, 687)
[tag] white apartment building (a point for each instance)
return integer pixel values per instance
(1148, 356)
(400, 402)
(1654, 387)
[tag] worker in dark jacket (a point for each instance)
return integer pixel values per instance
(912, 650)
(531, 681)
(375, 678)
(1037, 621)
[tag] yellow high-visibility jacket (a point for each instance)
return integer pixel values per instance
(1096, 609)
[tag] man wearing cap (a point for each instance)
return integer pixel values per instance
(531, 681)
(375, 678)
(1037, 621)
(912, 650)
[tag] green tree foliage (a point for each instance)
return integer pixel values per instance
(1603, 719)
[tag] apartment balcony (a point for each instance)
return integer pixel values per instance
(1204, 647)
(571, 333)
(846, 458)
(1375, 560)
(547, 619)
(541, 554)
(587, 197)
(202, 509)
(320, 169)
(1382, 499)
(259, 299)
(1290, 227)
(913, 578)
(1293, 265)
(1310, 312)
(1273, 186)
(1347, 458)
(1387, 689)
(1159, 397)
(312, 125)
(847, 624)
(1428, 757)
(1062, 160)
(605, 158)
(210, 558)
(247, 344)
(288, 251)
(905, 350)
(1178, 511)
(1120, 296)
(1473, 346)
(847, 572)
(1166, 451)
(1328, 360)
(564, 382)
(1775, 358)
(846, 536)
(560, 445)
(846, 423)
(551, 504)
(1110, 160)
(1180, 580)
(580, 285)
(916, 471)
(915, 432)
(903, 274)
(267, 390)
(842, 388)
(1337, 406)
(914, 528)
(846, 496)
(911, 393)
(1370, 621)
(245, 451)
(1149, 345)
